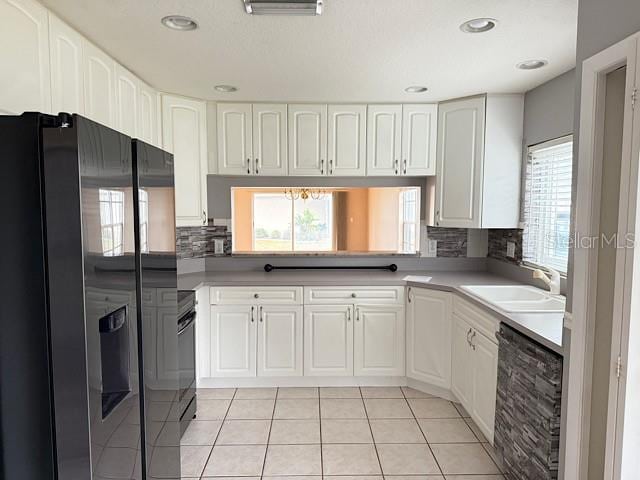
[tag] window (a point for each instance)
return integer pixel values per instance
(408, 214)
(112, 221)
(274, 214)
(547, 204)
(143, 200)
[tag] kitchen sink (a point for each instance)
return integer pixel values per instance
(517, 298)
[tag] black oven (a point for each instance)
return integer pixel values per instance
(187, 356)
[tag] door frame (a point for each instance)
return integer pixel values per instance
(581, 320)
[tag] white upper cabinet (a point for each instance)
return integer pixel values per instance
(25, 81)
(127, 97)
(149, 121)
(307, 139)
(235, 151)
(429, 336)
(347, 140)
(479, 156)
(419, 135)
(67, 80)
(184, 133)
(270, 139)
(379, 340)
(99, 85)
(384, 137)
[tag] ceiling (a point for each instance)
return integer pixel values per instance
(356, 51)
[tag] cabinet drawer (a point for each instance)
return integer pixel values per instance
(107, 296)
(482, 321)
(261, 295)
(351, 295)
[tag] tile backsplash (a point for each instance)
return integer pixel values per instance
(498, 239)
(452, 242)
(199, 242)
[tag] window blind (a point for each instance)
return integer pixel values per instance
(547, 204)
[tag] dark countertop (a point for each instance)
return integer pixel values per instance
(544, 328)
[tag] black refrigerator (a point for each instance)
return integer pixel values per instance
(89, 375)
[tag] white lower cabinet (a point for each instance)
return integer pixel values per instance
(328, 340)
(429, 336)
(485, 382)
(233, 341)
(475, 364)
(279, 340)
(379, 340)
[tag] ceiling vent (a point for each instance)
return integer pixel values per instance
(283, 7)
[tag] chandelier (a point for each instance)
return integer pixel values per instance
(304, 193)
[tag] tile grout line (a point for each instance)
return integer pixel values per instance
(422, 432)
(373, 439)
(266, 448)
(320, 432)
(233, 397)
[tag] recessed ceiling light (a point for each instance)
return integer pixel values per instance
(478, 25)
(226, 88)
(531, 64)
(416, 89)
(178, 22)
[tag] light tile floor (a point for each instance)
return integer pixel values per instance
(342, 433)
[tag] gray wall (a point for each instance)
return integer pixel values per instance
(548, 109)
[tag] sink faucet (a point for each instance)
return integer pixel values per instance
(553, 283)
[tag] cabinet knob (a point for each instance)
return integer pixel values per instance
(353, 295)
(256, 295)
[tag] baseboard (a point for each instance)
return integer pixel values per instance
(210, 382)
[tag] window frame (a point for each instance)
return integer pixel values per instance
(531, 149)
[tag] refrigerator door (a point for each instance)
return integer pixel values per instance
(158, 309)
(89, 197)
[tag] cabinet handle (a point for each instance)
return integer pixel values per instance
(349, 314)
(204, 217)
(330, 167)
(469, 333)
(357, 314)
(396, 164)
(248, 166)
(257, 165)
(322, 166)
(252, 316)
(473, 345)
(260, 316)
(409, 295)
(404, 168)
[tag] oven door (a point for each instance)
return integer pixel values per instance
(187, 359)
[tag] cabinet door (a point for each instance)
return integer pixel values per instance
(67, 83)
(270, 139)
(235, 152)
(307, 139)
(461, 366)
(233, 341)
(279, 341)
(328, 340)
(460, 154)
(99, 85)
(384, 133)
(184, 133)
(429, 336)
(167, 343)
(347, 140)
(25, 82)
(419, 134)
(485, 382)
(127, 95)
(148, 115)
(379, 340)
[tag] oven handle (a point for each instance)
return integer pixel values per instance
(187, 323)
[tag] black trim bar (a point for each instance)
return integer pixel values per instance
(392, 268)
